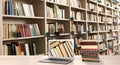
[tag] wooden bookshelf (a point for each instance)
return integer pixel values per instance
(88, 19)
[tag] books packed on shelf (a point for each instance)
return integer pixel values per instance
(93, 37)
(109, 35)
(102, 2)
(115, 13)
(81, 27)
(101, 27)
(110, 44)
(20, 30)
(109, 3)
(61, 49)
(102, 46)
(101, 18)
(90, 50)
(74, 27)
(77, 3)
(91, 17)
(55, 12)
(78, 15)
(101, 36)
(109, 12)
(91, 7)
(115, 42)
(92, 27)
(109, 20)
(17, 8)
(56, 27)
(109, 27)
(19, 48)
(64, 2)
(115, 34)
(101, 9)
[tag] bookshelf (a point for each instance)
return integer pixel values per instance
(88, 19)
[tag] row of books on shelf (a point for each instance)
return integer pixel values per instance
(64, 2)
(56, 27)
(101, 36)
(110, 44)
(102, 46)
(77, 27)
(77, 3)
(102, 27)
(55, 12)
(91, 17)
(61, 49)
(91, 37)
(101, 18)
(92, 27)
(17, 8)
(78, 15)
(109, 12)
(91, 6)
(101, 9)
(20, 30)
(19, 48)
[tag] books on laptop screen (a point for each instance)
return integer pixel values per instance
(63, 48)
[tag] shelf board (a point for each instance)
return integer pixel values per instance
(63, 34)
(114, 30)
(57, 19)
(78, 8)
(22, 38)
(95, 2)
(95, 12)
(94, 32)
(109, 23)
(101, 22)
(80, 21)
(23, 17)
(109, 7)
(57, 3)
(101, 31)
(116, 45)
(109, 15)
(92, 21)
(99, 4)
(110, 39)
(103, 14)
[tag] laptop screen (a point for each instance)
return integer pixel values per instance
(61, 48)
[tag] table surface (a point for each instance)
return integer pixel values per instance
(34, 60)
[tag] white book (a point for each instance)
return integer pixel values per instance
(34, 48)
(27, 49)
(73, 28)
(26, 9)
(5, 48)
(57, 53)
(31, 10)
(78, 15)
(53, 52)
(37, 31)
(63, 13)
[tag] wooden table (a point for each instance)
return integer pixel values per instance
(34, 60)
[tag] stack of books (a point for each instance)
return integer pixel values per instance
(90, 50)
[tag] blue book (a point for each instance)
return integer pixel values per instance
(10, 8)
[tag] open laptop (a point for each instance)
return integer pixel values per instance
(60, 51)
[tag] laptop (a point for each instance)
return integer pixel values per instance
(61, 51)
